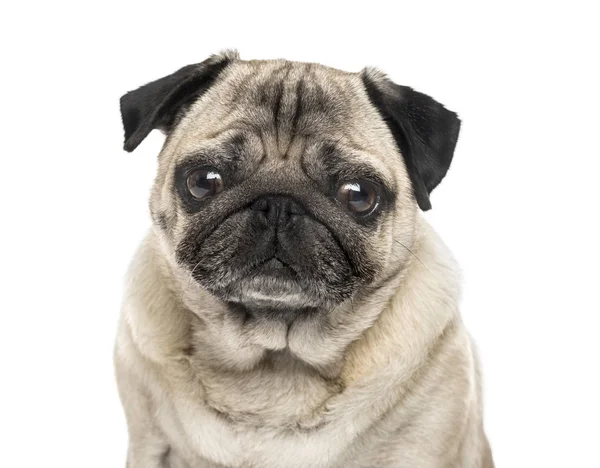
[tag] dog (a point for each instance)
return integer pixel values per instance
(290, 307)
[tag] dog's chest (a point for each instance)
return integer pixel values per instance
(210, 439)
(262, 421)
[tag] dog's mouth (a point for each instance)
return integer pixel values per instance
(249, 261)
(276, 267)
(272, 284)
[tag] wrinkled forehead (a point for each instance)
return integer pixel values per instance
(287, 107)
(284, 96)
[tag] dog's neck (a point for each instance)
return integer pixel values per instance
(311, 360)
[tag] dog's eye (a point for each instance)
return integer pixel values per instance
(359, 197)
(203, 183)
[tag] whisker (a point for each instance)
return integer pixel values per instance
(414, 255)
(192, 272)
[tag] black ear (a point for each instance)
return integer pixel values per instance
(425, 131)
(161, 103)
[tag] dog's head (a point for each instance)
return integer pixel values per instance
(287, 188)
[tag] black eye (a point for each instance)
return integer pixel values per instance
(203, 183)
(359, 197)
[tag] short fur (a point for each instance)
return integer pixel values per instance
(354, 356)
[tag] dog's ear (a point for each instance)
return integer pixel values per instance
(161, 103)
(425, 131)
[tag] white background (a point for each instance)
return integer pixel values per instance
(519, 207)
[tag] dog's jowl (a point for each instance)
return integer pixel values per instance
(290, 307)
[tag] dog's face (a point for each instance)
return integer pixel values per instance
(285, 189)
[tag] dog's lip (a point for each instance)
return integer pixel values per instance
(272, 284)
(277, 263)
(272, 290)
(275, 266)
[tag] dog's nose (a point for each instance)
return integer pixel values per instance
(278, 209)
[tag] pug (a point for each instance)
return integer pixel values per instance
(290, 307)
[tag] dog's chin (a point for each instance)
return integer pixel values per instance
(272, 293)
(272, 290)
